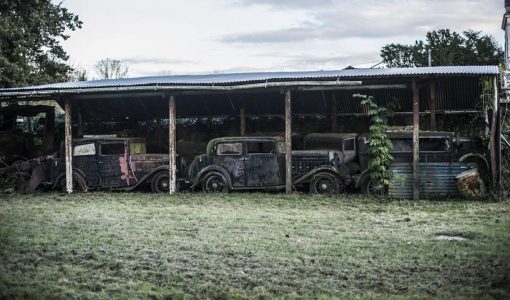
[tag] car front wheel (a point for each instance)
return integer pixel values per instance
(324, 184)
(215, 183)
(160, 183)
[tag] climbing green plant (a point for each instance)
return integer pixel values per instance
(380, 145)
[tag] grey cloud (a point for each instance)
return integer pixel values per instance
(374, 19)
(291, 4)
(155, 60)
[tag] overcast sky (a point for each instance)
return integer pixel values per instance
(156, 37)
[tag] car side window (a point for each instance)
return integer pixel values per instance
(349, 144)
(112, 149)
(229, 149)
(260, 147)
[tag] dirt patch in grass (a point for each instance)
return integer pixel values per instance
(250, 246)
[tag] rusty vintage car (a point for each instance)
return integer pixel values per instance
(435, 146)
(113, 163)
(258, 163)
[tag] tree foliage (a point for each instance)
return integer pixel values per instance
(447, 48)
(30, 35)
(108, 68)
(380, 144)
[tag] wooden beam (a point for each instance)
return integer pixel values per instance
(288, 142)
(416, 141)
(68, 146)
(333, 113)
(172, 145)
(242, 116)
(433, 104)
(493, 136)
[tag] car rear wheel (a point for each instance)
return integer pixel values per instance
(324, 184)
(160, 183)
(215, 183)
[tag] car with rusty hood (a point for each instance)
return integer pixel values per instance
(258, 163)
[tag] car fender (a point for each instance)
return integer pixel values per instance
(361, 178)
(325, 168)
(145, 178)
(212, 168)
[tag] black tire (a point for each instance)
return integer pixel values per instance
(368, 188)
(215, 182)
(160, 183)
(325, 184)
(79, 184)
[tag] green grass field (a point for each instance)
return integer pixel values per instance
(116, 245)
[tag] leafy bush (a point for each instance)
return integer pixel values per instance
(380, 144)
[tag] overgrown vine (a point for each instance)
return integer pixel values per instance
(380, 144)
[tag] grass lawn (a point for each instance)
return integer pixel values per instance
(118, 245)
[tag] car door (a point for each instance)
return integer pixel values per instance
(113, 166)
(85, 159)
(261, 164)
(229, 155)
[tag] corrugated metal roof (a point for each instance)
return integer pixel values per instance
(242, 78)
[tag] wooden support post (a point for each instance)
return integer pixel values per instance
(68, 146)
(80, 121)
(493, 136)
(172, 145)
(433, 104)
(288, 142)
(333, 112)
(242, 116)
(416, 141)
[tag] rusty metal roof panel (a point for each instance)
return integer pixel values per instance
(436, 179)
(241, 78)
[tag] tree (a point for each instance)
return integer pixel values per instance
(30, 36)
(447, 48)
(111, 69)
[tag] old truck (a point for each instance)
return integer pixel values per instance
(101, 162)
(258, 163)
(435, 146)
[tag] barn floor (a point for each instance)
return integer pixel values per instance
(100, 245)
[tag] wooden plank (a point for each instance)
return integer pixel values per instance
(68, 146)
(416, 139)
(433, 104)
(288, 142)
(172, 149)
(333, 112)
(242, 116)
(493, 136)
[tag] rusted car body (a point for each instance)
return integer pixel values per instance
(113, 163)
(435, 147)
(258, 163)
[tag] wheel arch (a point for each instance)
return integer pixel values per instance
(213, 168)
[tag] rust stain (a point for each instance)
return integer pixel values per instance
(124, 169)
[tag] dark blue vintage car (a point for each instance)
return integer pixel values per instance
(258, 163)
